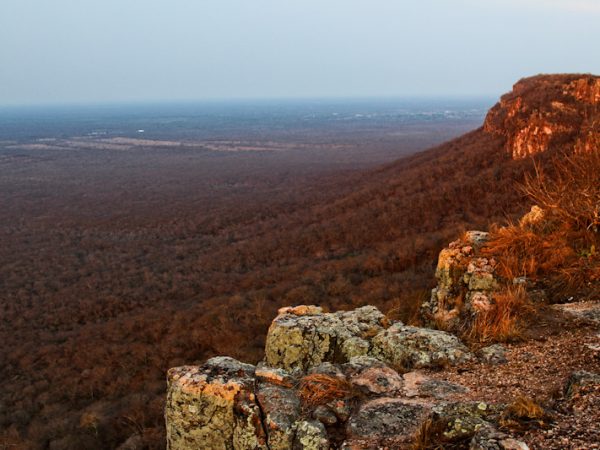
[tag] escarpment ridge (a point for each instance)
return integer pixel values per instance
(360, 379)
(548, 112)
(95, 313)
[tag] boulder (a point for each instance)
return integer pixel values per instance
(310, 435)
(280, 408)
(386, 423)
(466, 284)
(304, 337)
(418, 384)
(372, 376)
(406, 347)
(461, 421)
(213, 406)
(493, 354)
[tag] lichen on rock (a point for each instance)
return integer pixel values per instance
(467, 281)
(297, 342)
(226, 404)
(409, 347)
(213, 407)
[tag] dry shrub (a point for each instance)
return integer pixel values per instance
(522, 251)
(431, 437)
(561, 249)
(504, 320)
(573, 192)
(318, 389)
(524, 413)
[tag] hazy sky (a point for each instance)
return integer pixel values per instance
(146, 50)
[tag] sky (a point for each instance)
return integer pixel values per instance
(103, 51)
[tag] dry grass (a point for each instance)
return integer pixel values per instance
(504, 321)
(522, 251)
(430, 436)
(564, 259)
(524, 413)
(318, 389)
(573, 192)
(561, 249)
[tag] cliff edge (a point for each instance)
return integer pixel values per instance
(548, 112)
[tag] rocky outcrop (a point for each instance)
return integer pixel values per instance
(546, 112)
(303, 337)
(416, 348)
(373, 401)
(466, 283)
(386, 422)
(213, 407)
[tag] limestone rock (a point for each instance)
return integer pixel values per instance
(213, 407)
(310, 435)
(386, 422)
(466, 285)
(297, 342)
(411, 347)
(493, 354)
(280, 410)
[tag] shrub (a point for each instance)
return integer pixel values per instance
(504, 320)
(560, 249)
(572, 193)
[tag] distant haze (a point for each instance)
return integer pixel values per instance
(80, 51)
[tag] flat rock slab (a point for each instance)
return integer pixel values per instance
(386, 422)
(582, 310)
(417, 384)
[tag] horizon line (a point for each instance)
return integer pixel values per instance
(225, 100)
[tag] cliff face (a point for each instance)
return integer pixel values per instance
(546, 112)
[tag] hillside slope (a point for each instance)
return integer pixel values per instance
(92, 374)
